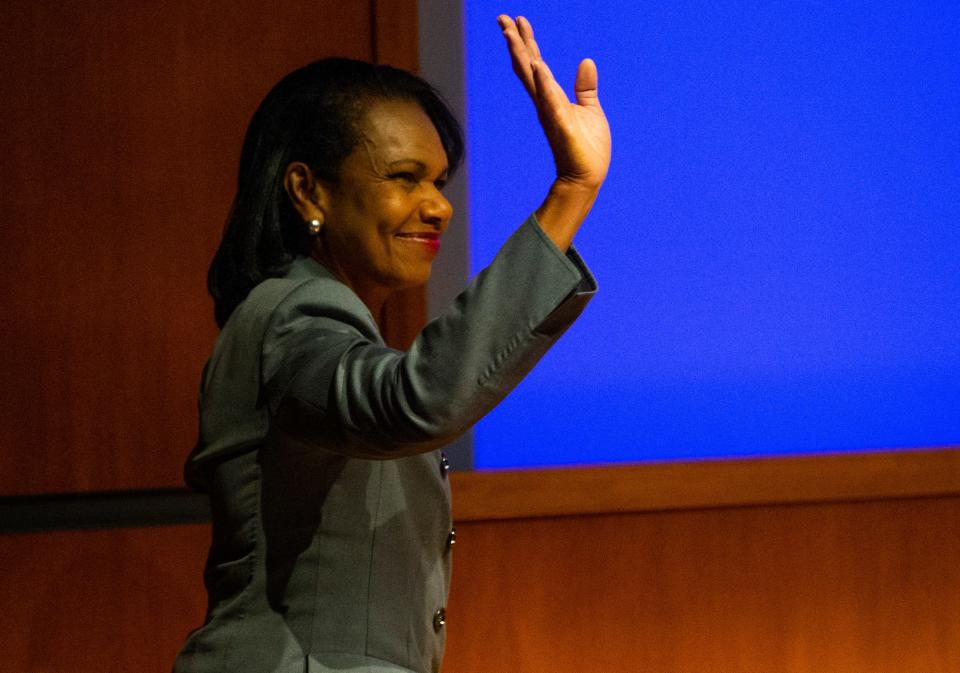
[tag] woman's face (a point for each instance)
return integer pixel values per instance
(385, 215)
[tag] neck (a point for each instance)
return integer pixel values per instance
(371, 294)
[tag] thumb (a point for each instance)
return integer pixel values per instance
(586, 84)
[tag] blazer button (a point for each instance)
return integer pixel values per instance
(451, 538)
(439, 619)
(444, 464)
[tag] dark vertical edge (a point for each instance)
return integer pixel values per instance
(374, 38)
(427, 37)
(394, 42)
(443, 64)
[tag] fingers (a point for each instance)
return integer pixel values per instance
(524, 52)
(526, 34)
(550, 95)
(529, 65)
(520, 55)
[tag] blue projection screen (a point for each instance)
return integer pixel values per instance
(777, 244)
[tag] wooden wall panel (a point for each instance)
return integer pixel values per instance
(100, 601)
(873, 475)
(120, 134)
(871, 587)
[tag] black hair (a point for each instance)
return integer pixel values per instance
(311, 115)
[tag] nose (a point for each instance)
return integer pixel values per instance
(436, 210)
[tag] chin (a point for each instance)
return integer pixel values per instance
(413, 279)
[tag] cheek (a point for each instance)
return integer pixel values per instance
(392, 210)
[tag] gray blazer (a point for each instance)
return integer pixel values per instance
(319, 451)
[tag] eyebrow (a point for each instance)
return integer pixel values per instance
(422, 167)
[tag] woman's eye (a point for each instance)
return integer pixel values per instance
(405, 176)
(440, 184)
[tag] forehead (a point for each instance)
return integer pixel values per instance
(399, 129)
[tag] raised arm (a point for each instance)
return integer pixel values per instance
(578, 132)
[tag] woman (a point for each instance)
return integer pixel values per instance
(318, 444)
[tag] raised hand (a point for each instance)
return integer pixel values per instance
(578, 133)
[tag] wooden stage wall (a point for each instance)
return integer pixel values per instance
(732, 566)
(802, 565)
(120, 132)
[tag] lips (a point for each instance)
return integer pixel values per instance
(428, 239)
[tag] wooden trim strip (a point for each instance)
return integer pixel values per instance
(876, 475)
(516, 494)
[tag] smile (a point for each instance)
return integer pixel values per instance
(428, 239)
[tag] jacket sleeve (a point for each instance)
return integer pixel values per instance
(329, 377)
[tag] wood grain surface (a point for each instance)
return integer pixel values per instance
(867, 587)
(110, 601)
(510, 494)
(120, 133)
(859, 587)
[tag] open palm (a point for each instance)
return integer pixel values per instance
(578, 132)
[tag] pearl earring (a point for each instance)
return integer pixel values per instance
(314, 227)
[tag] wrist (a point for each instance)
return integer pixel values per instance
(563, 211)
(573, 190)
(572, 198)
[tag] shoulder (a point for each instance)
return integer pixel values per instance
(305, 295)
(309, 296)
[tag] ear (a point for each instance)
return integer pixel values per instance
(310, 198)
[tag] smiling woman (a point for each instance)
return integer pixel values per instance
(320, 446)
(324, 134)
(382, 219)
